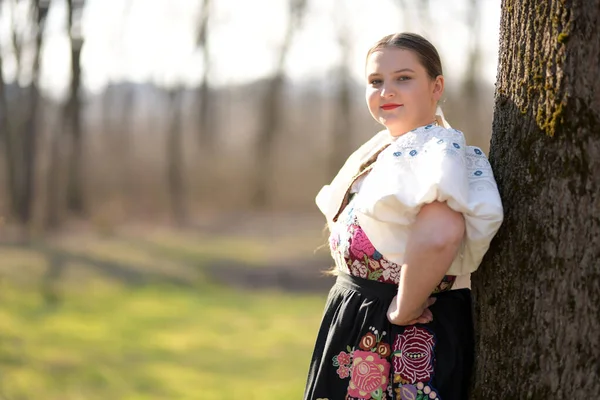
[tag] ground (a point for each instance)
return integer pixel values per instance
(221, 310)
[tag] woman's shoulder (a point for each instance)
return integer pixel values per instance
(434, 140)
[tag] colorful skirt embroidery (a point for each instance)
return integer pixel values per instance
(360, 355)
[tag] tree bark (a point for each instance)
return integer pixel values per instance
(537, 298)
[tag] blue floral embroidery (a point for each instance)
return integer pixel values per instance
(456, 145)
(413, 153)
(478, 173)
(440, 141)
(397, 154)
(428, 126)
(478, 152)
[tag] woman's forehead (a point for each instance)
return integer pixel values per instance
(392, 59)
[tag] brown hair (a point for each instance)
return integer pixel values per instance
(428, 55)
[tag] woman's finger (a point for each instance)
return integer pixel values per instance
(430, 301)
(427, 314)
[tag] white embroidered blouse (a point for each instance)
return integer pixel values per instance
(427, 164)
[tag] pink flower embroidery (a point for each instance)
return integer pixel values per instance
(369, 372)
(343, 371)
(343, 358)
(361, 245)
(413, 354)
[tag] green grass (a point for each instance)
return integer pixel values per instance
(109, 342)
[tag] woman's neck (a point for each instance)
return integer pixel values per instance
(403, 130)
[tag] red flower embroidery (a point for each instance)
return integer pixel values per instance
(383, 349)
(361, 245)
(413, 351)
(367, 342)
(369, 372)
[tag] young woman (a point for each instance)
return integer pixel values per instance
(411, 214)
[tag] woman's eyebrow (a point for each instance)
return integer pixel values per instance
(395, 72)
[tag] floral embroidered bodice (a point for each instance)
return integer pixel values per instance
(430, 163)
(354, 253)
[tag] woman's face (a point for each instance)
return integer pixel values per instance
(400, 94)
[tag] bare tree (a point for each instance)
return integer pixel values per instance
(75, 198)
(31, 129)
(404, 12)
(342, 127)
(471, 90)
(17, 41)
(175, 158)
(70, 121)
(424, 14)
(53, 183)
(7, 142)
(205, 125)
(472, 74)
(271, 111)
(537, 298)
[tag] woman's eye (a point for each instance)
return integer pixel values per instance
(404, 78)
(375, 82)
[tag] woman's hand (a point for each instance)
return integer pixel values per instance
(425, 313)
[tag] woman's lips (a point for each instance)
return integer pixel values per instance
(390, 106)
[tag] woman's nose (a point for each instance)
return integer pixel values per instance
(387, 91)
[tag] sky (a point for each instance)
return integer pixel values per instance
(154, 40)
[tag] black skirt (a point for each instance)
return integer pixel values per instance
(360, 355)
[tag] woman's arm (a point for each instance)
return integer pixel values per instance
(434, 241)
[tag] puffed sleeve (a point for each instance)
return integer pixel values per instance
(435, 165)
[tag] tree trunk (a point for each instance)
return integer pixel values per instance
(31, 131)
(342, 124)
(8, 147)
(471, 89)
(407, 20)
(206, 134)
(53, 182)
(537, 298)
(175, 160)
(17, 42)
(75, 201)
(125, 145)
(271, 112)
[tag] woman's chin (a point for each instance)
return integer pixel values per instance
(392, 125)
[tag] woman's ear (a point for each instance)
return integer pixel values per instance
(438, 88)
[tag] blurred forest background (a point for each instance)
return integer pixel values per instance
(158, 166)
